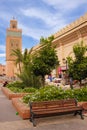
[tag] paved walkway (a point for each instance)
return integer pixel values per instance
(10, 121)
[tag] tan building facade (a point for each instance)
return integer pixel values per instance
(13, 41)
(67, 37)
(2, 70)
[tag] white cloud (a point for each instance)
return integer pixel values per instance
(46, 16)
(36, 33)
(2, 55)
(2, 47)
(32, 32)
(65, 4)
(52, 16)
(52, 22)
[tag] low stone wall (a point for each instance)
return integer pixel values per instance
(10, 94)
(22, 109)
(84, 105)
(1, 81)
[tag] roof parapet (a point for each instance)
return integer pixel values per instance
(72, 25)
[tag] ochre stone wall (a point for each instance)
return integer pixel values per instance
(67, 37)
(2, 69)
(13, 42)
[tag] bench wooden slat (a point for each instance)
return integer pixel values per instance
(57, 107)
(56, 110)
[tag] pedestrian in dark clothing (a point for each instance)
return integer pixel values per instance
(71, 83)
(5, 83)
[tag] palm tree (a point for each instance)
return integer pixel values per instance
(26, 74)
(27, 57)
(19, 57)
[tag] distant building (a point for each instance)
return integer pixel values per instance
(66, 38)
(2, 70)
(13, 41)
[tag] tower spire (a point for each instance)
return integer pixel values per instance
(13, 18)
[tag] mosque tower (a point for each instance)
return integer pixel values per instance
(13, 41)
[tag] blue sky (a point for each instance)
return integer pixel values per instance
(37, 18)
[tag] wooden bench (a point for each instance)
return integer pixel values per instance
(53, 108)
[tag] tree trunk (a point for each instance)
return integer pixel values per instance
(80, 83)
(19, 67)
(43, 81)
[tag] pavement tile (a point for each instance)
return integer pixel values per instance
(10, 121)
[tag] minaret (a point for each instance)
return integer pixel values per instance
(13, 41)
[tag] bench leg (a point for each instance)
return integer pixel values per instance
(80, 113)
(75, 113)
(32, 119)
(34, 123)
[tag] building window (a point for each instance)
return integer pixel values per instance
(14, 26)
(11, 44)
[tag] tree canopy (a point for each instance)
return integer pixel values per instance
(46, 59)
(78, 65)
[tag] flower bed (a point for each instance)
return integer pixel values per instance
(54, 93)
(84, 105)
(10, 94)
(22, 109)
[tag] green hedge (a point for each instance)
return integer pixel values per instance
(19, 87)
(16, 84)
(54, 93)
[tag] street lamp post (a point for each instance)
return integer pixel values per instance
(65, 62)
(66, 66)
(66, 77)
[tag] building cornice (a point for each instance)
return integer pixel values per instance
(82, 21)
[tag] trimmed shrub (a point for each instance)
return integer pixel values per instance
(19, 87)
(54, 93)
(16, 84)
(29, 90)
